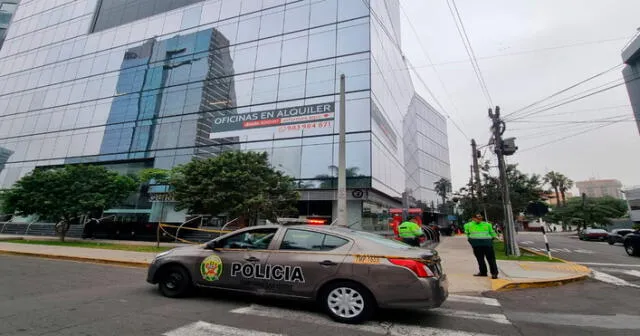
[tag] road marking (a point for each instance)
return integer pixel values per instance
(474, 299)
(383, 328)
(618, 321)
(201, 328)
(608, 278)
(632, 272)
(528, 242)
(497, 318)
(607, 264)
(565, 250)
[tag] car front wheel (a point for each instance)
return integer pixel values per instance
(174, 282)
(611, 241)
(348, 302)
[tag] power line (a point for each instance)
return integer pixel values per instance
(570, 136)
(550, 107)
(524, 52)
(409, 66)
(599, 109)
(426, 54)
(508, 115)
(469, 49)
(570, 121)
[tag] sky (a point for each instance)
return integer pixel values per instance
(528, 50)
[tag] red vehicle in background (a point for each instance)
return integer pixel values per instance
(396, 220)
(593, 234)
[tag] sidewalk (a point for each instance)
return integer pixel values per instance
(459, 264)
(102, 256)
(4, 237)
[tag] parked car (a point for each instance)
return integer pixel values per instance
(593, 234)
(617, 235)
(348, 273)
(632, 243)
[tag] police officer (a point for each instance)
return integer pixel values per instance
(481, 235)
(410, 232)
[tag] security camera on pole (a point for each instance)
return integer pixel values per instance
(504, 147)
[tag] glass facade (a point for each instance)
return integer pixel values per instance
(7, 9)
(426, 151)
(92, 81)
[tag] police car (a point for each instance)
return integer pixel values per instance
(349, 273)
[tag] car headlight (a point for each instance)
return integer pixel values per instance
(162, 254)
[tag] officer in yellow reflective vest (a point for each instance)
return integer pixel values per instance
(480, 235)
(410, 232)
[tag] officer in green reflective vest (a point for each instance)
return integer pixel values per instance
(410, 232)
(480, 235)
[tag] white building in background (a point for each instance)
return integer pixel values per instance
(632, 196)
(600, 188)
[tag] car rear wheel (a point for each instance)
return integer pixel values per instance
(630, 249)
(348, 302)
(174, 282)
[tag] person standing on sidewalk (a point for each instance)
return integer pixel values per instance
(481, 235)
(410, 232)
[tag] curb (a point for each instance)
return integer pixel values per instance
(136, 264)
(504, 285)
(500, 285)
(585, 268)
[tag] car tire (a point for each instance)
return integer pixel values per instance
(360, 306)
(174, 282)
(631, 250)
(612, 242)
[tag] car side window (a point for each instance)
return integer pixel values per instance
(258, 239)
(333, 242)
(303, 240)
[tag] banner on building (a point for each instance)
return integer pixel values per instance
(289, 118)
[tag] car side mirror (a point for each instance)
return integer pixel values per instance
(212, 245)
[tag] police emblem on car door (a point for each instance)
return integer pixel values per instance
(236, 260)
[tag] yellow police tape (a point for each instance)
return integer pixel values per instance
(162, 226)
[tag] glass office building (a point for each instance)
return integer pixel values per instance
(156, 83)
(7, 9)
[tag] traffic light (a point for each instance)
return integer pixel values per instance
(509, 146)
(478, 154)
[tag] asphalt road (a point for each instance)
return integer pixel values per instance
(51, 297)
(610, 263)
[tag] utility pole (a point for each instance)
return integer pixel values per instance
(584, 211)
(498, 127)
(343, 219)
(475, 154)
(472, 187)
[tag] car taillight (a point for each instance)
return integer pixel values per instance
(420, 269)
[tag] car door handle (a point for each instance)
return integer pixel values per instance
(327, 263)
(252, 259)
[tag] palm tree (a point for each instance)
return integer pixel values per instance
(565, 184)
(443, 188)
(553, 179)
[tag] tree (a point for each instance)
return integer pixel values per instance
(554, 179)
(239, 184)
(596, 211)
(523, 189)
(564, 184)
(443, 188)
(158, 176)
(65, 194)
